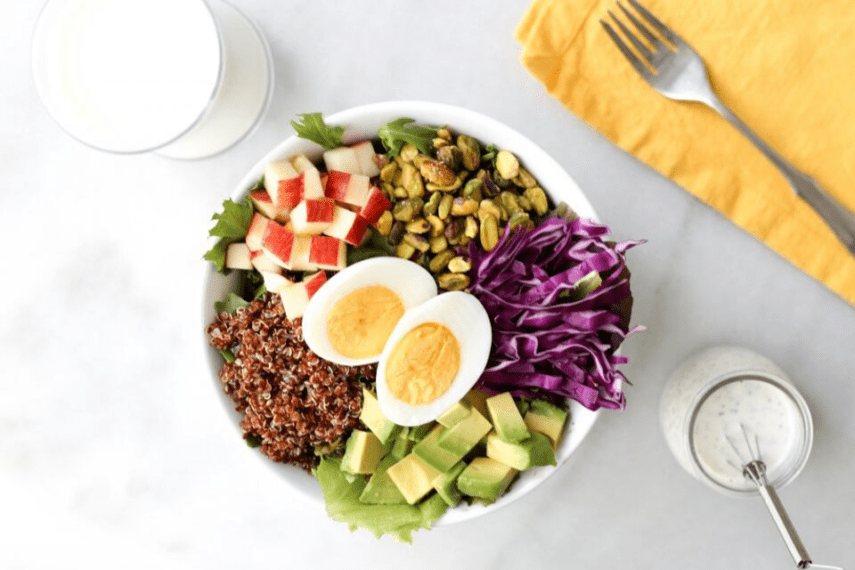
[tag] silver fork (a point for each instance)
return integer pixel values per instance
(676, 71)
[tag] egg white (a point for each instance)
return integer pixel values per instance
(469, 322)
(412, 283)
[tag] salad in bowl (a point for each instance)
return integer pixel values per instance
(414, 314)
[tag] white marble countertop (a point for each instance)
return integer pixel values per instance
(116, 453)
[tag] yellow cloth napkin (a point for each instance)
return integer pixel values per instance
(785, 67)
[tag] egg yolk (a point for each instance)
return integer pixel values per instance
(360, 323)
(423, 364)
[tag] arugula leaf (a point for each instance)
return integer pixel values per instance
(393, 136)
(316, 130)
(230, 304)
(232, 225)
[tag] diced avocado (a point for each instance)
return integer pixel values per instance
(465, 434)
(401, 445)
(418, 433)
(432, 508)
(372, 417)
(506, 418)
(413, 477)
(362, 453)
(532, 452)
(485, 478)
(454, 414)
(429, 451)
(548, 419)
(380, 489)
(478, 400)
(446, 484)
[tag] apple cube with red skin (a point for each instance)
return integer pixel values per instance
(300, 254)
(278, 243)
(365, 155)
(275, 282)
(292, 191)
(238, 256)
(328, 253)
(274, 173)
(375, 205)
(255, 234)
(347, 226)
(264, 204)
(295, 297)
(342, 159)
(312, 216)
(348, 188)
(263, 262)
(301, 163)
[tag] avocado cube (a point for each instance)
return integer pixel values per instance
(548, 419)
(401, 445)
(485, 478)
(506, 418)
(532, 452)
(380, 489)
(418, 433)
(413, 477)
(478, 400)
(461, 438)
(429, 451)
(454, 414)
(374, 419)
(362, 453)
(446, 484)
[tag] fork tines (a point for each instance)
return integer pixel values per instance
(648, 27)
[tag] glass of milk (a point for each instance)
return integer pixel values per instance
(182, 78)
(723, 396)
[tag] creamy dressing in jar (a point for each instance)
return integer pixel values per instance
(719, 398)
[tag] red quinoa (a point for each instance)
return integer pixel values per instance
(292, 400)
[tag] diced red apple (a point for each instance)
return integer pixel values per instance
(255, 234)
(328, 253)
(375, 205)
(300, 254)
(347, 187)
(275, 282)
(238, 256)
(263, 262)
(365, 155)
(278, 243)
(264, 204)
(295, 297)
(302, 163)
(274, 173)
(347, 226)
(292, 191)
(312, 216)
(342, 159)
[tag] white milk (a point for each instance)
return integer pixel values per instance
(136, 75)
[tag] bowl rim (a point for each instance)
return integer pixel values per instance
(581, 419)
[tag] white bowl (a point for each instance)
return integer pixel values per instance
(362, 123)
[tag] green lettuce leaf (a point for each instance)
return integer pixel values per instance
(231, 303)
(231, 226)
(398, 521)
(313, 127)
(393, 136)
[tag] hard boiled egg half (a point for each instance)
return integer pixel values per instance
(350, 318)
(433, 357)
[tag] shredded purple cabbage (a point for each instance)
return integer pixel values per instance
(548, 339)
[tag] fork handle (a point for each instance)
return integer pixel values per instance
(839, 219)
